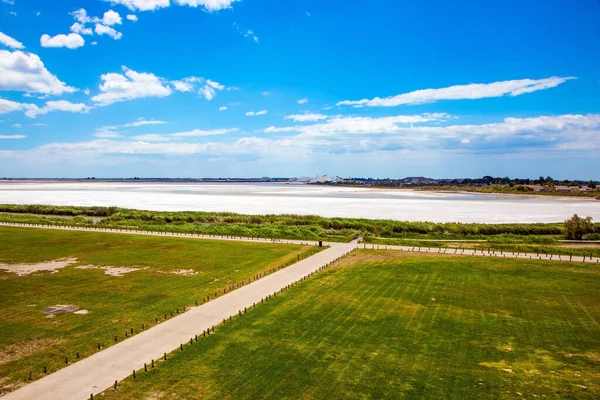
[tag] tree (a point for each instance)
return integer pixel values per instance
(576, 227)
(592, 185)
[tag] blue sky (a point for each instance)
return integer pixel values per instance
(385, 88)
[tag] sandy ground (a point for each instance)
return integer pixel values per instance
(26, 269)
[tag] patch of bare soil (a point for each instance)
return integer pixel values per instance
(48, 266)
(16, 351)
(112, 271)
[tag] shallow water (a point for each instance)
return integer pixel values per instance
(327, 201)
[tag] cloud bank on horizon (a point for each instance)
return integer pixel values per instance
(166, 87)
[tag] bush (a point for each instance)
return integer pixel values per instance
(576, 227)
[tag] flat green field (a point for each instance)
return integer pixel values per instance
(387, 325)
(170, 273)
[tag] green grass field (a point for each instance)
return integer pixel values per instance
(388, 325)
(29, 341)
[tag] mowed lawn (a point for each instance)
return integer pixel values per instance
(29, 341)
(390, 325)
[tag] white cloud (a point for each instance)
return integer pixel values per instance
(143, 122)
(206, 87)
(107, 30)
(265, 93)
(200, 132)
(70, 41)
(132, 17)
(273, 129)
(215, 85)
(208, 5)
(306, 117)
(111, 18)
(11, 2)
(82, 30)
(107, 134)
(10, 42)
(576, 134)
(246, 32)
(21, 125)
(14, 14)
(82, 17)
(25, 72)
(8, 106)
(151, 5)
(152, 137)
(208, 92)
(142, 5)
(130, 85)
(307, 14)
(302, 101)
(59, 105)
(110, 131)
(12, 136)
(256, 113)
(94, 43)
(222, 108)
(460, 92)
(86, 91)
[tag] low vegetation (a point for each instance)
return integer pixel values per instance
(160, 276)
(270, 226)
(388, 325)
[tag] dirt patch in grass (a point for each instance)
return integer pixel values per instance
(16, 351)
(48, 266)
(112, 271)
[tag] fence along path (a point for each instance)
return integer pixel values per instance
(439, 250)
(487, 253)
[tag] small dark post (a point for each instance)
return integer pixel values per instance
(45, 369)
(181, 346)
(98, 346)
(66, 360)
(196, 338)
(115, 385)
(134, 374)
(165, 356)
(196, 302)
(143, 327)
(132, 331)
(153, 363)
(126, 334)
(78, 355)
(213, 329)
(91, 396)
(30, 376)
(204, 333)
(191, 341)
(156, 320)
(171, 313)
(115, 338)
(145, 368)
(177, 310)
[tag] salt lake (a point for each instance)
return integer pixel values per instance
(327, 201)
